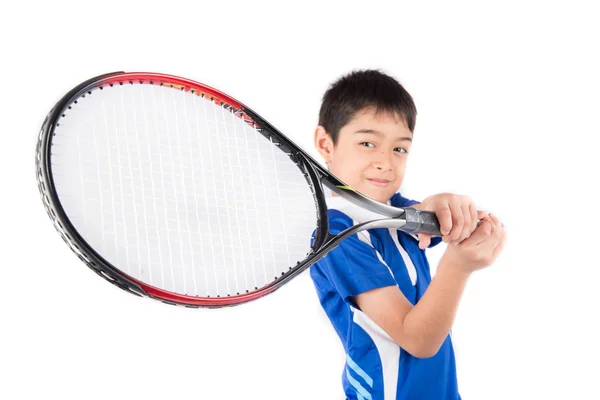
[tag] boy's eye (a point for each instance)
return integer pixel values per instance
(401, 150)
(367, 144)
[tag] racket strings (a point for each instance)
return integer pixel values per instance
(179, 192)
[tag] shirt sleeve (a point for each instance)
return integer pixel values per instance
(398, 201)
(354, 268)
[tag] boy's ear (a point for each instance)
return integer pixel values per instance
(324, 144)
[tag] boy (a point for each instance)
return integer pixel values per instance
(391, 316)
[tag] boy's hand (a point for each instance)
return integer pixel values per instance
(481, 248)
(457, 216)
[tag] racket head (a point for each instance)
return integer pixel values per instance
(98, 262)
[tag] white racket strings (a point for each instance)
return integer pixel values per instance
(178, 192)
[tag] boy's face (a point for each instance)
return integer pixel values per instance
(370, 155)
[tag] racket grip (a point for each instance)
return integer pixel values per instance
(419, 221)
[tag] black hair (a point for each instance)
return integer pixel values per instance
(361, 89)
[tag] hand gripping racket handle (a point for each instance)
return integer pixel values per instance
(419, 221)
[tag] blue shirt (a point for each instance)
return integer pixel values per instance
(376, 367)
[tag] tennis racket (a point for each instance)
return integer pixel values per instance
(171, 189)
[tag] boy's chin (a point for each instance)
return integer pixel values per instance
(381, 194)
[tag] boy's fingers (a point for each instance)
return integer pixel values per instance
(488, 245)
(498, 225)
(474, 217)
(457, 219)
(466, 231)
(495, 219)
(424, 240)
(482, 214)
(481, 234)
(444, 217)
(500, 231)
(500, 246)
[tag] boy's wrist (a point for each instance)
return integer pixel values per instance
(451, 267)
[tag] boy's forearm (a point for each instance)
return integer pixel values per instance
(431, 319)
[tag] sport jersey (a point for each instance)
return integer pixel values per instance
(376, 367)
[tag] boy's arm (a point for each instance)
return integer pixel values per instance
(419, 329)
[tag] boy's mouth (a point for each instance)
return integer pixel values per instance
(379, 182)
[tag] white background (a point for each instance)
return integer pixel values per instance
(508, 98)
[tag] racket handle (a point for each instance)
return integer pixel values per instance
(419, 221)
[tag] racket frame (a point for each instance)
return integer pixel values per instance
(407, 219)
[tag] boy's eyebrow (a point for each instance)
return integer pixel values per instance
(378, 133)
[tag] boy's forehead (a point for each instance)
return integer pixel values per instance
(369, 119)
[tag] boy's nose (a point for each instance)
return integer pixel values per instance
(383, 162)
